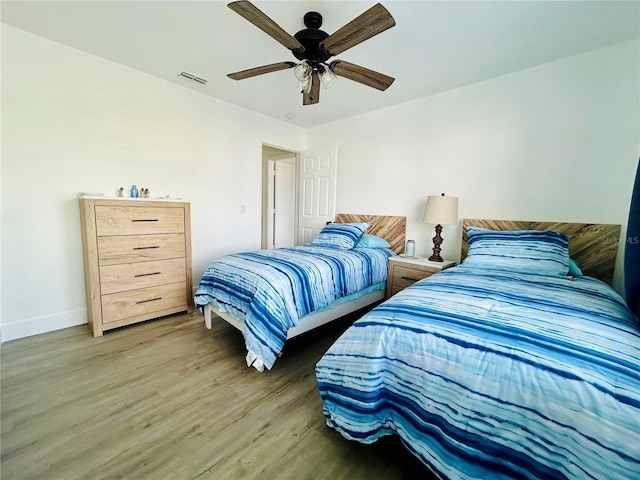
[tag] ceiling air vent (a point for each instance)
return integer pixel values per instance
(192, 78)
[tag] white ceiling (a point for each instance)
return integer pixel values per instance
(435, 45)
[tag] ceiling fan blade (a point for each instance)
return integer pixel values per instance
(313, 96)
(251, 13)
(372, 22)
(252, 72)
(360, 74)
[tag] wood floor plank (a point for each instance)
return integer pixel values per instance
(169, 399)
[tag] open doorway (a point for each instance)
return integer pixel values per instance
(298, 194)
(279, 206)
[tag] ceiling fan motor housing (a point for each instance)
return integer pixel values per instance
(310, 38)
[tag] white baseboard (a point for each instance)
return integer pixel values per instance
(48, 323)
(38, 325)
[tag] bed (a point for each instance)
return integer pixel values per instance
(517, 363)
(275, 295)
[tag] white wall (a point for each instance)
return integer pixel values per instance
(558, 142)
(74, 122)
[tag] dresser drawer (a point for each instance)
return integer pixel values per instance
(402, 277)
(119, 306)
(129, 276)
(411, 275)
(111, 220)
(139, 248)
(404, 272)
(395, 289)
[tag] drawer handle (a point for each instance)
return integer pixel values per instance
(146, 248)
(147, 274)
(409, 278)
(145, 220)
(150, 300)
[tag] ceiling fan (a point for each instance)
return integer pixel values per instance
(313, 48)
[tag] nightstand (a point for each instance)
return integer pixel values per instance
(404, 271)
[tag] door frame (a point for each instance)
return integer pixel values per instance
(282, 153)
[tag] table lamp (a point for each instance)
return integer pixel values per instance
(441, 210)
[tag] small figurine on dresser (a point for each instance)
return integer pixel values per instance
(145, 192)
(121, 192)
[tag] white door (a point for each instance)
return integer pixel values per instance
(284, 203)
(279, 212)
(268, 204)
(318, 171)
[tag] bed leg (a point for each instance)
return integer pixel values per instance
(207, 316)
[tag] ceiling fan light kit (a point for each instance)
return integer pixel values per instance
(314, 47)
(303, 70)
(327, 77)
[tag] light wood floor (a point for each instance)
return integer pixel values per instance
(169, 399)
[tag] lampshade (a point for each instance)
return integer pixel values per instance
(303, 71)
(305, 84)
(327, 77)
(441, 210)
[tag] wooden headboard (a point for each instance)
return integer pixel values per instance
(593, 246)
(392, 228)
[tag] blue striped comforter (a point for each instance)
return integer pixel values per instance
(494, 375)
(269, 290)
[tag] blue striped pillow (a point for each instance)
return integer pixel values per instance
(540, 252)
(340, 235)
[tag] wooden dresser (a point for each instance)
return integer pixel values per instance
(137, 260)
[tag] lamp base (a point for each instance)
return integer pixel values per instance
(437, 241)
